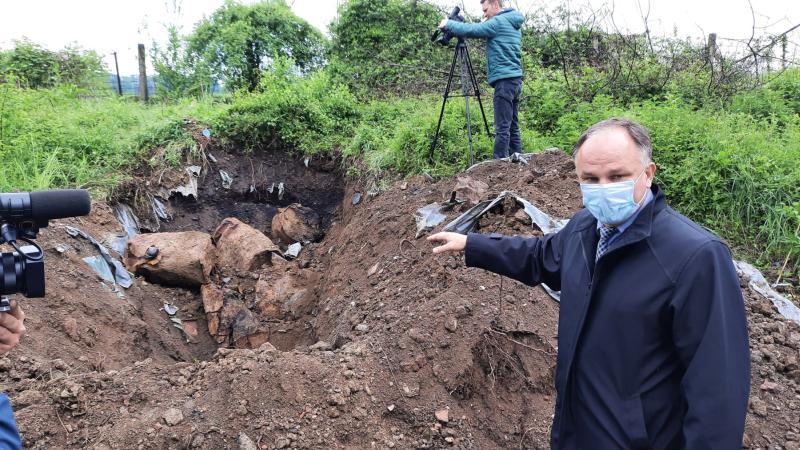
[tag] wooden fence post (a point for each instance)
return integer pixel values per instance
(142, 75)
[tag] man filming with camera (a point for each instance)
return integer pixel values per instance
(501, 29)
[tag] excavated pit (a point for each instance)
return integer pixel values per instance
(255, 193)
(250, 187)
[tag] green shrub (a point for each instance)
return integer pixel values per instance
(33, 66)
(306, 114)
(383, 46)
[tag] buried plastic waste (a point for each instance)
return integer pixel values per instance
(172, 313)
(100, 267)
(432, 214)
(121, 276)
(227, 181)
(293, 251)
(130, 223)
(759, 284)
(190, 188)
(468, 221)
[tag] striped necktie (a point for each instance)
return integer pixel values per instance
(606, 233)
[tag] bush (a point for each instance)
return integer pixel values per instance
(383, 46)
(304, 114)
(33, 66)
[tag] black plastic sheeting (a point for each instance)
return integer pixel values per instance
(468, 221)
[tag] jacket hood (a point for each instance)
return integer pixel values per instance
(513, 17)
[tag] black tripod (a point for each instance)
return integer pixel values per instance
(465, 63)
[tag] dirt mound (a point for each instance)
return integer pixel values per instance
(371, 340)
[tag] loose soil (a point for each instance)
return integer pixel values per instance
(418, 351)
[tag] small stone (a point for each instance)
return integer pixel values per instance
(451, 325)
(411, 391)
(373, 269)
(443, 415)
(362, 328)
(245, 443)
(416, 335)
(70, 326)
(390, 407)
(173, 416)
(769, 386)
(282, 443)
(758, 406)
(321, 346)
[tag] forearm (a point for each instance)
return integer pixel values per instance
(529, 260)
(471, 30)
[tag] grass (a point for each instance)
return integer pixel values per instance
(59, 138)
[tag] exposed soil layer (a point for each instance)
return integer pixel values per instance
(416, 351)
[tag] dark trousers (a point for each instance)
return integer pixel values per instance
(506, 125)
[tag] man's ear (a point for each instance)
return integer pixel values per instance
(650, 170)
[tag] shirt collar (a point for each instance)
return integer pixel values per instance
(624, 225)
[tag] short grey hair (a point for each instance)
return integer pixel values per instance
(636, 131)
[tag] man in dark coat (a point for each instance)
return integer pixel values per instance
(652, 336)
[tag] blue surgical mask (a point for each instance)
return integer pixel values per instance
(610, 203)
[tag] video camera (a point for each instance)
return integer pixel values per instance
(21, 216)
(443, 37)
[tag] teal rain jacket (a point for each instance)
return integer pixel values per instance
(503, 36)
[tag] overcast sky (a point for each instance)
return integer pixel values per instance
(108, 26)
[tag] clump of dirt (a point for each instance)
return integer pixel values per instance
(370, 340)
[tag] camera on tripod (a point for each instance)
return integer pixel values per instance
(469, 83)
(443, 37)
(22, 215)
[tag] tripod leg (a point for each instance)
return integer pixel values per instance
(465, 91)
(444, 101)
(474, 80)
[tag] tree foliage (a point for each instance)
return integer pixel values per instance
(34, 66)
(385, 45)
(237, 42)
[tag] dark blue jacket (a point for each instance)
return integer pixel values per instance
(503, 42)
(9, 437)
(652, 340)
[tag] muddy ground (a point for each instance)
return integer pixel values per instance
(390, 347)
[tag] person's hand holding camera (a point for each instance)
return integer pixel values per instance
(443, 23)
(12, 327)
